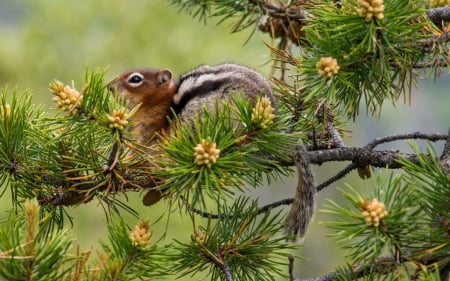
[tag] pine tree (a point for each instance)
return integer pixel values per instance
(334, 59)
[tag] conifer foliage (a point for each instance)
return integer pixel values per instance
(335, 59)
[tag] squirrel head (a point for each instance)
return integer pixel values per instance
(148, 87)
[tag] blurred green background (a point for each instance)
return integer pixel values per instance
(47, 39)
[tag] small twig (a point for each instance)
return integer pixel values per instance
(439, 15)
(208, 215)
(263, 209)
(291, 267)
(382, 264)
(113, 157)
(13, 168)
(441, 62)
(283, 202)
(446, 149)
(328, 277)
(415, 135)
(429, 44)
(337, 140)
(226, 270)
(336, 177)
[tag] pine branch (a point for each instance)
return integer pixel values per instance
(292, 13)
(291, 267)
(328, 277)
(359, 156)
(113, 157)
(441, 62)
(226, 271)
(342, 173)
(85, 178)
(383, 265)
(439, 15)
(363, 156)
(415, 135)
(240, 247)
(336, 137)
(294, 17)
(436, 15)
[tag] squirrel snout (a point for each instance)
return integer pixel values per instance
(111, 86)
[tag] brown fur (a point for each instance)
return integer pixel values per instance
(154, 95)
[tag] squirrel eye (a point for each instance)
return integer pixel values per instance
(135, 79)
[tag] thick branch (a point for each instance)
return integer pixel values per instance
(439, 15)
(360, 156)
(436, 15)
(293, 13)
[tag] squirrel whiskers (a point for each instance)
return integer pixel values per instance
(302, 208)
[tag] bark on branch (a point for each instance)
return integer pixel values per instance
(439, 15)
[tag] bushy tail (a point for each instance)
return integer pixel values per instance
(302, 208)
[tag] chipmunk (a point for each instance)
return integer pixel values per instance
(159, 94)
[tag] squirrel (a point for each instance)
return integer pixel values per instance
(159, 95)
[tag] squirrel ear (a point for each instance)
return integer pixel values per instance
(164, 76)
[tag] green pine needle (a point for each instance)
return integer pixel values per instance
(29, 250)
(365, 52)
(246, 243)
(366, 242)
(429, 182)
(128, 261)
(247, 152)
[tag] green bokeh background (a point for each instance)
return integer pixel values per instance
(47, 39)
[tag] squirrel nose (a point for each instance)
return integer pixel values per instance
(112, 87)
